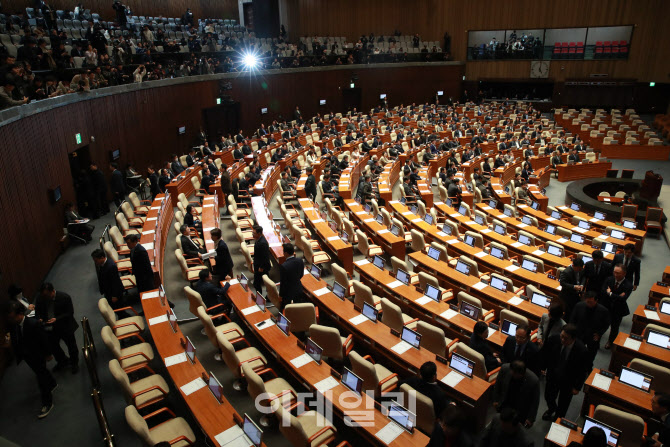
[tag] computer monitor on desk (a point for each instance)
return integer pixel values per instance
(526, 220)
(338, 290)
(540, 300)
(378, 262)
(630, 224)
(523, 239)
(462, 267)
(529, 265)
(470, 240)
(403, 417)
(313, 350)
(554, 250)
(551, 229)
(617, 234)
(508, 328)
(556, 215)
(215, 387)
(636, 379)
(283, 324)
(315, 270)
(462, 365)
(499, 229)
(395, 230)
(584, 225)
(370, 312)
(380, 219)
(480, 219)
(402, 276)
(252, 432)
(599, 215)
(658, 339)
(611, 433)
(499, 284)
(411, 337)
(345, 237)
(428, 218)
(469, 310)
(577, 238)
(352, 381)
(497, 253)
(446, 229)
(433, 293)
(664, 307)
(260, 301)
(574, 206)
(189, 349)
(462, 210)
(608, 247)
(434, 253)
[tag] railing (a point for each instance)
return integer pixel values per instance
(107, 436)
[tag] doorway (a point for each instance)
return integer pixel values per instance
(351, 98)
(80, 160)
(221, 120)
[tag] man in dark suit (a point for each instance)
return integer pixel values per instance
(141, 265)
(210, 293)
(426, 383)
(191, 248)
(109, 281)
(55, 311)
(596, 271)
(517, 387)
(519, 347)
(153, 180)
(567, 363)
(176, 166)
(30, 343)
(592, 320)
(572, 281)
(290, 272)
(660, 406)
(75, 223)
(224, 262)
(310, 184)
(631, 263)
(615, 292)
(479, 344)
(190, 158)
(262, 264)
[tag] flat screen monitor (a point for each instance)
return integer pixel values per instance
(244, 281)
(608, 247)
(541, 300)
(315, 270)
(498, 284)
(181, 130)
(462, 365)
(469, 310)
(554, 250)
(508, 328)
(617, 234)
(414, 209)
(535, 205)
(462, 210)
(507, 212)
(370, 312)
(583, 224)
(338, 290)
(402, 276)
(526, 220)
(434, 293)
(446, 229)
(599, 215)
(172, 318)
(379, 262)
(161, 294)
(551, 229)
(493, 204)
(529, 265)
(313, 350)
(215, 387)
(636, 379)
(333, 226)
(631, 225)
(264, 110)
(574, 206)
(612, 434)
(252, 431)
(470, 240)
(525, 240)
(322, 102)
(577, 238)
(556, 215)
(428, 218)
(506, 187)
(499, 229)
(283, 324)
(440, 92)
(586, 259)
(449, 202)
(380, 219)
(260, 301)
(658, 339)
(190, 350)
(352, 381)
(382, 96)
(115, 154)
(479, 219)
(498, 253)
(367, 208)
(345, 237)
(403, 417)
(434, 253)
(395, 230)
(463, 268)
(665, 308)
(411, 337)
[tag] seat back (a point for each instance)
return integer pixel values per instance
(301, 316)
(397, 263)
(139, 425)
(444, 257)
(134, 200)
(127, 210)
(122, 378)
(474, 270)
(632, 426)
(425, 279)
(272, 291)
(463, 296)
(511, 208)
(194, 300)
(208, 324)
(341, 276)
(107, 312)
(228, 355)
(256, 386)
(478, 239)
(116, 237)
(660, 374)
(425, 413)
(329, 339)
(529, 236)
(291, 428)
(110, 251)
(391, 315)
(454, 228)
(500, 247)
(363, 245)
(506, 314)
(418, 242)
(655, 328)
(539, 262)
(469, 353)
(365, 370)
(432, 338)
(362, 294)
(110, 340)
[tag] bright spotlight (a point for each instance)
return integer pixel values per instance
(250, 61)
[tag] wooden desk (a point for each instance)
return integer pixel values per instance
(580, 170)
(213, 417)
(537, 196)
(182, 184)
(328, 238)
(387, 179)
(640, 319)
(349, 177)
(575, 436)
(619, 395)
(263, 217)
(657, 293)
(382, 236)
(621, 354)
(610, 199)
(155, 232)
(635, 151)
(361, 412)
(474, 393)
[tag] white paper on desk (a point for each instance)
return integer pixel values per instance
(301, 360)
(358, 319)
(455, 215)
(308, 209)
(148, 232)
(559, 288)
(562, 207)
(558, 434)
(498, 191)
(579, 230)
(423, 300)
(486, 207)
(562, 240)
(389, 433)
(452, 379)
(175, 359)
(368, 220)
(517, 244)
(522, 225)
(148, 295)
(208, 206)
(275, 244)
(401, 347)
(441, 234)
(233, 437)
(232, 282)
(470, 222)
(485, 231)
(602, 382)
(358, 213)
(438, 203)
(651, 315)
(321, 291)
(148, 246)
(452, 241)
(151, 219)
(512, 268)
(362, 262)
(491, 332)
(316, 221)
(593, 219)
(551, 219)
(156, 320)
(332, 238)
(449, 314)
(394, 284)
(481, 254)
(251, 310)
(418, 219)
(632, 344)
(208, 229)
(155, 207)
(193, 386)
(515, 301)
(406, 213)
(266, 324)
(537, 252)
(384, 231)
(480, 285)
(326, 384)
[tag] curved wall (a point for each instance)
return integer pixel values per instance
(142, 121)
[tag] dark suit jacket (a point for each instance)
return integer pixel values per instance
(633, 270)
(290, 272)
(262, 256)
(529, 354)
(594, 282)
(617, 304)
(431, 391)
(189, 247)
(589, 321)
(480, 345)
(142, 270)
(63, 312)
(568, 280)
(209, 292)
(31, 344)
(576, 368)
(109, 282)
(189, 161)
(529, 392)
(224, 262)
(117, 183)
(177, 168)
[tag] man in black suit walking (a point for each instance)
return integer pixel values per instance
(56, 313)
(615, 292)
(591, 320)
(290, 272)
(426, 383)
(141, 265)
(572, 281)
(30, 343)
(118, 188)
(631, 263)
(519, 347)
(224, 262)
(596, 271)
(109, 281)
(517, 387)
(100, 204)
(210, 293)
(566, 361)
(262, 263)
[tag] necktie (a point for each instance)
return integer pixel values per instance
(627, 262)
(597, 269)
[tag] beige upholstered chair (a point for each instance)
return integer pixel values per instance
(433, 339)
(425, 413)
(140, 393)
(231, 331)
(131, 358)
(393, 317)
(466, 297)
(176, 431)
(310, 429)
(367, 248)
(633, 428)
(480, 365)
(301, 316)
(376, 378)
(329, 339)
(267, 394)
(661, 375)
(342, 278)
(235, 359)
(124, 328)
(363, 294)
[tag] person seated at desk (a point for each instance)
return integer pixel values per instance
(176, 165)
(660, 406)
(164, 180)
(526, 171)
(443, 175)
(246, 150)
(213, 170)
(508, 157)
(237, 154)
(190, 158)
(573, 156)
(189, 247)
(344, 163)
(555, 160)
(522, 194)
(517, 387)
(327, 187)
(210, 293)
(207, 180)
(594, 437)
(284, 182)
(410, 193)
(499, 161)
(454, 190)
(133, 178)
(426, 383)
(484, 189)
(479, 344)
(365, 191)
(76, 224)
(191, 220)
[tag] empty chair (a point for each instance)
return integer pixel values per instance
(397, 263)
(131, 358)
(176, 430)
(661, 375)
(538, 262)
(425, 412)
(620, 194)
(312, 256)
(132, 219)
(519, 320)
(124, 328)
(477, 238)
(272, 292)
(530, 237)
(629, 212)
(329, 339)
(393, 317)
(401, 229)
(190, 274)
(425, 279)
(140, 393)
(234, 359)
(363, 294)
(376, 378)
(118, 241)
(653, 219)
(480, 365)
(632, 426)
(476, 302)
(433, 339)
(231, 331)
(342, 277)
(418, 242)
(366, 247)
(266, 392)
(123, 265)
(444, 257)
(309, 429)
(301, 316)
(505, 279)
